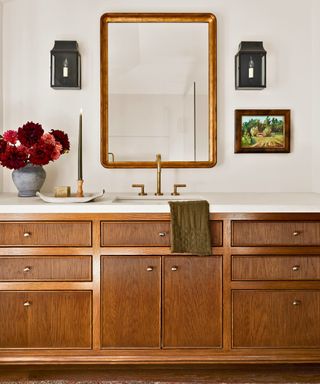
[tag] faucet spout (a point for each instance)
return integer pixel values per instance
(158, 161)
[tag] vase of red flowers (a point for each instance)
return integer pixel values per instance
(27, 150)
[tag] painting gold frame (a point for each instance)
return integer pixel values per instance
(208, 18)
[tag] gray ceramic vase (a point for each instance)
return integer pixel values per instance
(29, 179)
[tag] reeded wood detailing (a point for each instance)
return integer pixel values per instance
(192, 302)
(45, 319)
(276, 319)
(273, 233)
(144, 233)
(130, 301)
(265, 267)
(53, 234)
(45, 268)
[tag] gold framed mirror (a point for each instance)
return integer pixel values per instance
(158, 90)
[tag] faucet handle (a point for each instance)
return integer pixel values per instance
(142, 192)
(175, 189)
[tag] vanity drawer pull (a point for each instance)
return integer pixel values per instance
(162, 234)
(27, 303)
(149, 269)
(296, 268)
(27, 269)
(174, 268)
(27, 234)
(296, 302)
(296, 233)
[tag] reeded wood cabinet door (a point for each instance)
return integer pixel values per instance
(45, 319)
(130, 299)
(192, 300)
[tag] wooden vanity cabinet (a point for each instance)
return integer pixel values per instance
(105, 288)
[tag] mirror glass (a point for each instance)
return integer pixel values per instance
(158, 93)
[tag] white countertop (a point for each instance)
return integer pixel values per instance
(219, 202)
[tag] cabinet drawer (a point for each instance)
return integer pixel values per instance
(45, 319)
(275, 233)
(43, 234)
(276, 319)
(275, 267)
(155, 233)
(45, 268)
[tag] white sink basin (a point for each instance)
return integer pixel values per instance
(152, 199)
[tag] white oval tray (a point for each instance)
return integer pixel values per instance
(72, 199)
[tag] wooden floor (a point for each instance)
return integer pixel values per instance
(182, 374)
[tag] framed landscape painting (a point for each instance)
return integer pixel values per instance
(262, 130)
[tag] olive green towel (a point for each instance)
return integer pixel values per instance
(190, 227)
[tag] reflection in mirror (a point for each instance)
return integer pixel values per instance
(158, 90)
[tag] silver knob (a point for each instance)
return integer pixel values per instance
(149, 269)
(162, 234)
(27, 303)
(27, 234)
(296, 233)
(26, 269)
(296, 302)
(296, 268)
(174, 268)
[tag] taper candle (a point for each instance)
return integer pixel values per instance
(80, 176)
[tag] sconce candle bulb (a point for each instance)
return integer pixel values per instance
(65, 68)
(251, 68)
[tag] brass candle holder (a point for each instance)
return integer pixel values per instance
(80, 189)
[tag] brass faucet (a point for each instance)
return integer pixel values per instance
(158, 160)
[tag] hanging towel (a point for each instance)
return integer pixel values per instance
(190, 227)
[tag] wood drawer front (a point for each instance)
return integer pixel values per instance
(53, 319)
(276, 319)
(45, 268)
(275, 267)
(275, 233)
(45, 234)
(155, 233)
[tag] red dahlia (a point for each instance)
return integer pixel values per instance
(30, 133)
(13, 157)
(62, 138)
(10, 136)
(41, 153)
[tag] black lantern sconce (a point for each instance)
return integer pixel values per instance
(65, 65)
(250, 63)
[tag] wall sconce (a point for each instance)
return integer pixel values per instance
(65, 65)
(250, 65)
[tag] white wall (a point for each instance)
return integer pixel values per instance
(315, 60)
(31, 26)
(1, 101)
